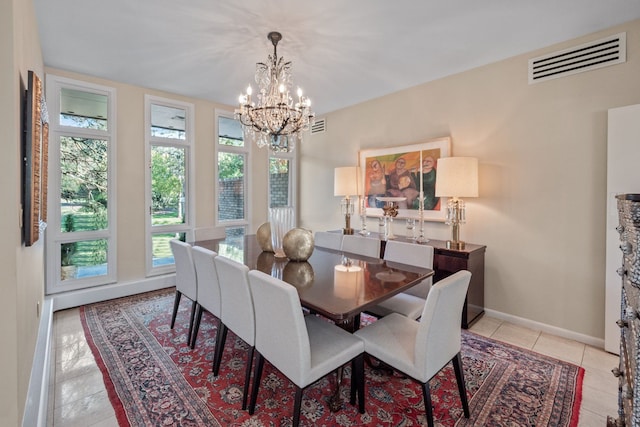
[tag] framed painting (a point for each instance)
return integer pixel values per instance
(35, 159)
(407, 174)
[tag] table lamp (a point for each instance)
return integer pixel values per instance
(456, 177)
(345, 183)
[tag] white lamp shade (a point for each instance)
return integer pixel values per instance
(345, 181)
(457, 177)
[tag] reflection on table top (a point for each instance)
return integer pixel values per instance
(337, 285)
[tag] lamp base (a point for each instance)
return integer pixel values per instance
(455, 244)
(347, 231)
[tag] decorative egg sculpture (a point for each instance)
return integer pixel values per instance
(298, 244)
(263, 234)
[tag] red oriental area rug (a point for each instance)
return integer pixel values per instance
(154, 379)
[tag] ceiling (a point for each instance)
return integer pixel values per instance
(343, 52)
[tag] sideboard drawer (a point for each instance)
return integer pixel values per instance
(446, 265)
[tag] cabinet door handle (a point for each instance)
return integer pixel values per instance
(617, 372)
(620, 229)
(622, 323)
(621, 271)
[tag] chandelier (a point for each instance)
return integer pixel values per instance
(276, 121)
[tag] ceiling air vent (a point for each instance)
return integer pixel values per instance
(319, 126)
(589, 56)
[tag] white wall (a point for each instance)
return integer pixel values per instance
(623, 176)
(542, 154)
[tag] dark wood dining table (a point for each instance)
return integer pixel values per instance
(338, 285)
(335, 284)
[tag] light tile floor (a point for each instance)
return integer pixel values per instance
(80, 398)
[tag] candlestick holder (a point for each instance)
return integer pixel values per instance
(421, 238)
(363, 218)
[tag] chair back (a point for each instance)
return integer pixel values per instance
(438, 337)
(412, 254)
(237, 310)
(186, 281)
(209, 233)
(208, 284)
(281, 332)
(366, 246)
(326, 239)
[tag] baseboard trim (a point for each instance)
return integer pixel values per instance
(80, 297)
(531, 324)
(37, 404)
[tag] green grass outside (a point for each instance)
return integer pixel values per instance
(94, 252)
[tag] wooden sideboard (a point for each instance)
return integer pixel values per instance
(447, 261)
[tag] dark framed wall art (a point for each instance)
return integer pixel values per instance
(35, 161)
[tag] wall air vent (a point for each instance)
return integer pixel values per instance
(589, 56)
(319, 126)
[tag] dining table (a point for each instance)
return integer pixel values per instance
(337, 285)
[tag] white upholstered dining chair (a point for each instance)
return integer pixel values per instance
(208, 294)
(237, 314)
(303, 348)
(327, 239)
(409, 303)
(366, 246)
(186, 281)
(420, 349)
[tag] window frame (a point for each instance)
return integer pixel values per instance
(188, 144)
(245, 150)
(54, 236)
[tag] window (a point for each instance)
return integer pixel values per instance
(169, 140)
(81, 232)
(281, 173)
(232, 161)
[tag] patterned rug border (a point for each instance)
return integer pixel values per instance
(577, 402)
(575, 399)
(115, 400)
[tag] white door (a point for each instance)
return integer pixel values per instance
(623, 176)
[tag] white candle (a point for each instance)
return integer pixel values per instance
(421, 189)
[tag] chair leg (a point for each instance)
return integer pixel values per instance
(357, 381)
(457, 367)
(196, 326)
(426, 392)
(256, 383)
(296, 407)
(354, 380)
(176, 304)
(221, 338)
(191, 320)
(247, 378)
